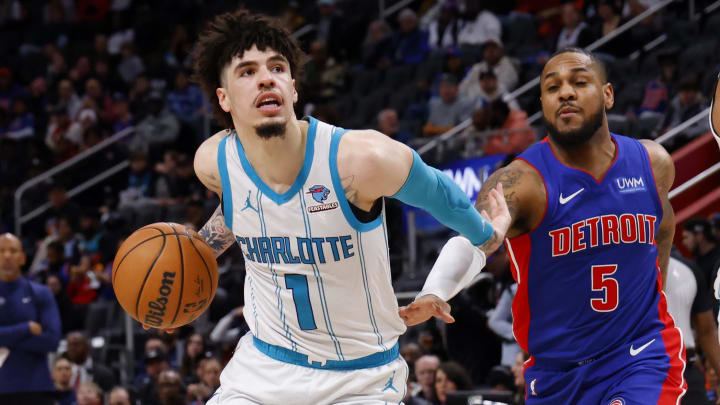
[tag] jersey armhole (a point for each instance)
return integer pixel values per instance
(337, 184)
(226, 191)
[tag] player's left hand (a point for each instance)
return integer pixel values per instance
(425, 307)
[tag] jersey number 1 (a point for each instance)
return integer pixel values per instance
(601, 281)
(298, 284)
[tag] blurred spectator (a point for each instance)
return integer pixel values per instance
(37, 103)
(186, 101)
(450, 377)
(410, 397)
(486, 90)
(323, 77)
(698, 238)
(501, 378)
(291, 16)
(51, 262)
(68, 99)
(454, 66)
(145, 383)
(139, 97)
(229, 328)
(500, 322)
(59, 137)
(97, 99)
(159, 128)
(410, 352)
(130, 65)
(330, 28)
(60, 204)
(575, 32)
(57, 68)
(22, 124)
(121, 111)
(9, 90)
(687, 103)
(447, 110)
(493, 59)
(84, 368)
(425, 369)
(610, 19)
(61, 375)
(209, 374)
(194, 352)
(480, 25)
(178, 54)
(377, 51)
(119, 396)
(513, 132)
(68, 320)
(518, 370)
(389, 125)
(170, 388)
(31, 329)
(70, 239)
(659, 90)
(89, 393)
(410, 43)
(445, 29)
(79, 73)
(98, 244)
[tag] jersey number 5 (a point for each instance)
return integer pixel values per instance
(298, 284)
(601, 281)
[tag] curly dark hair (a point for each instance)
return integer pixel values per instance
(231, 34)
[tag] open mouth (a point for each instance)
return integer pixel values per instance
(269, 103)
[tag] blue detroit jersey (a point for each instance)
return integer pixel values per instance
(587, 274)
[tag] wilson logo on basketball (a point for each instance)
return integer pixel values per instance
(157, 306)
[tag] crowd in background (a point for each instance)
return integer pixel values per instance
(74, 73)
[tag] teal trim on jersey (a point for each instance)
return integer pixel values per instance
(299, 180)
(320, 284)
(280, 306)
(225, 180)
(288, 356)
(337, 184)
(368, 298)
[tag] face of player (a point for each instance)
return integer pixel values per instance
(259, 91)
(11, 258)
(574, 99)
(443, 386)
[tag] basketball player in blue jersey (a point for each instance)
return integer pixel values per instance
(304, 201)
(589, 245)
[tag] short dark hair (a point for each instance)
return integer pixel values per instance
(688, 83)
(457, 374)
(231, 34)
(597, 62)
(700, 225)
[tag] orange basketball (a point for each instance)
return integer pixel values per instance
(165, 275)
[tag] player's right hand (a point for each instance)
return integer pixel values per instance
(168, 331)
(35, 328)
(425, 307)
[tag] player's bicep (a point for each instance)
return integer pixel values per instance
(218, 236)
(206, 165)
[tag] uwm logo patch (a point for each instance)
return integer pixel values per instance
(320, 193)
(630, 184)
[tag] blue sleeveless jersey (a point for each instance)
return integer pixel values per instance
(588, 275)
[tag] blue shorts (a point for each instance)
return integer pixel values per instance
(647, 371)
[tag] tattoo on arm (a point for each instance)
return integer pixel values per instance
(350, 193)
(216, 234)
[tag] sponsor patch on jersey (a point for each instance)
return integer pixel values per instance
(617, 401)
(320, 193)
(630, 184)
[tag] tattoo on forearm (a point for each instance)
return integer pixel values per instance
(509, 177)
(216, 234)
(350, 193)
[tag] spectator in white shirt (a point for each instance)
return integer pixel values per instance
(480, 25)
(493, 58)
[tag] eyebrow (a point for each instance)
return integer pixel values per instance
(573, 70)
(274, 58)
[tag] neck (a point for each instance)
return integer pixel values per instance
(7, 277)
(594, 156)
(277, 160)
(62, 386)
(706, 248)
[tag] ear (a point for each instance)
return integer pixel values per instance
(295, 93)
(608, 95)
(223, 99)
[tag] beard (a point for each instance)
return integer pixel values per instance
(270, 130)
(575, 137)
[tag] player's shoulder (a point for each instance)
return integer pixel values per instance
(368, 146)
(206, 167)
(662, 163)
(41, 291)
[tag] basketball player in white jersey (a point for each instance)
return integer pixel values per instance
(304, 201)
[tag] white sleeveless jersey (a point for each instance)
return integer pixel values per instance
(318, 280)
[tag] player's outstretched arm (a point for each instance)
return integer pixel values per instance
(215, 233)
(664, 171)
(514, 200)
(715, 112)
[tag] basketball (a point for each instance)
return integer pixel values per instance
(164, 275)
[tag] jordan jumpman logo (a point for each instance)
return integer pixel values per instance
(389, 384)
(248, 204)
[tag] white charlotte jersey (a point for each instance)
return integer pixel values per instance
(318, 280)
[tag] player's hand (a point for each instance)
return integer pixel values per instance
(168, 331)
(35, 328)
(498, 215)
(425, 307)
